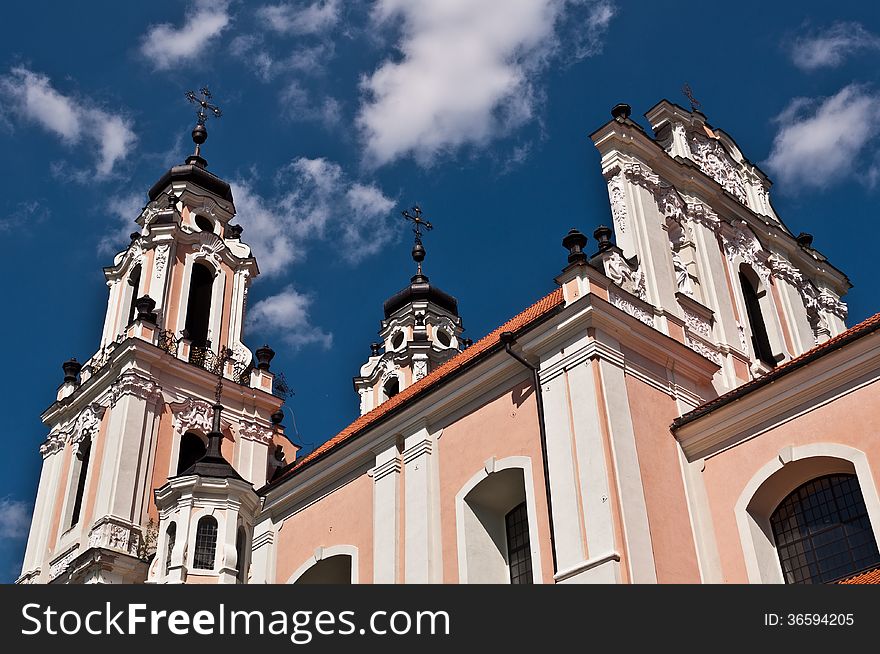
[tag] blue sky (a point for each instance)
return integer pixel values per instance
(337, 115)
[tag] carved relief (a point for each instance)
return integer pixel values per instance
(192, 415)
(254, 432)
(86, 425)
(618, 202)
(54, 443)
(713, 160)
(420, 369)
(623, 275)
(697, 324)
(631, 308)
(132, 383)
(161, 259)
(706, 350)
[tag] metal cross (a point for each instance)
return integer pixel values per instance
(689, 94)
(418, 222)
(204, 105)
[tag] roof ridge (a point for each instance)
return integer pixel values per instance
(520, 320)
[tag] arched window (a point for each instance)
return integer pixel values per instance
(519, 551)
(170, 537)
(206, 543)
(192, 448)
(198, 307)
(391, 387)
(81, 463)
(134, 282)
(332, 570)
(241, 569)
(822, 531)
(752, 292)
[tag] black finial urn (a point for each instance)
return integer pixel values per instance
(144, 306)
(71, 369)
(603, 236)
(574, 242)
(264, 355)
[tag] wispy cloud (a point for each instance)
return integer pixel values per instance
(166, 45)
(821, 140)
(286, 314)
(124, 209)
(462, 76)
(252, 50)
(15, 519)
(300, 17)
(315, 199)
(829, 47)
(74, 120)
(25, 215)
(299, 105)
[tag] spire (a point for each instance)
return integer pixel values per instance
(200, 132)
(418, 251)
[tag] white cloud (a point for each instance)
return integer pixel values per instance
(830, 47)
(301, 18)
(32, 97)
(15, 519)
(316, 200)
(26, 214)
(124, 210)
(253, 52)
(287, 314)
(820, 140)
(462, 75)
(297, 104)
(166, 45)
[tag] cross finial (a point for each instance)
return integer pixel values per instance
(418, 251)
(199, 133)
(689, 94)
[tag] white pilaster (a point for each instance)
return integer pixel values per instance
(386, 516)
(422, 537)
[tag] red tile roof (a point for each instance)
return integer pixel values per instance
(862, 329)
(539, 309)
(869, 577)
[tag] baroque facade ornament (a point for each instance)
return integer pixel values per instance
(617, 197)
(713, 160)
(697, 324)
(623, 275)
(703, 348)
(192, 415)
(161, 259)
(420, 369)
(254, 432)
(132, 383)
(87, 423)
(631, 308)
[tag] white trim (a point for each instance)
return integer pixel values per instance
(758, 564)
(523, 463)
(322, 553)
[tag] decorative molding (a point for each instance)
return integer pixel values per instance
(697, 323)
(254, 432)
(700, 347)
(423, 448)
(54, 443)
(192, 414)
(59, 565)
(161, 259)
(631, 308)
(86, 424)
(713, 160)
(617, 196)
(115, 534)
(132, 383)
(420, 368)
(625, 276)
(389, 467)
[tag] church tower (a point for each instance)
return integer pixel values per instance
(421, 330)
(140, 411)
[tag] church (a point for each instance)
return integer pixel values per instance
(685, 405)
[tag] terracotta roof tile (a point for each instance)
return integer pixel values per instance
(459, 361)
(863, 328)
(869, 577)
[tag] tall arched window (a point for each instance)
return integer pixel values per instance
(519, 551)
(134, 282)
(198, 307)
(751, 289)
(170, 537)
(192, 448)
(81, 464)
(206, 543)
(240, 568)
(822, 531)
(332, 570)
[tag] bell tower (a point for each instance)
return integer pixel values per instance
(139, 411)
(421, 330)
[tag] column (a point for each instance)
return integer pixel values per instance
(386, 516)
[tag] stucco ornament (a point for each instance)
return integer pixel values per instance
(625, 276)
(192, 415)
(618, 202)
(713, 160)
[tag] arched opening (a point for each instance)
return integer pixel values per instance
(753, 291)
(391, 387)
(192, 448)
(170, 537)
(134, 283)
(81, 470)
(240, 563)
(496, 530)
(332, 570)
(822, 531)
(206, 543)
(198, 307)
(204, 224)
